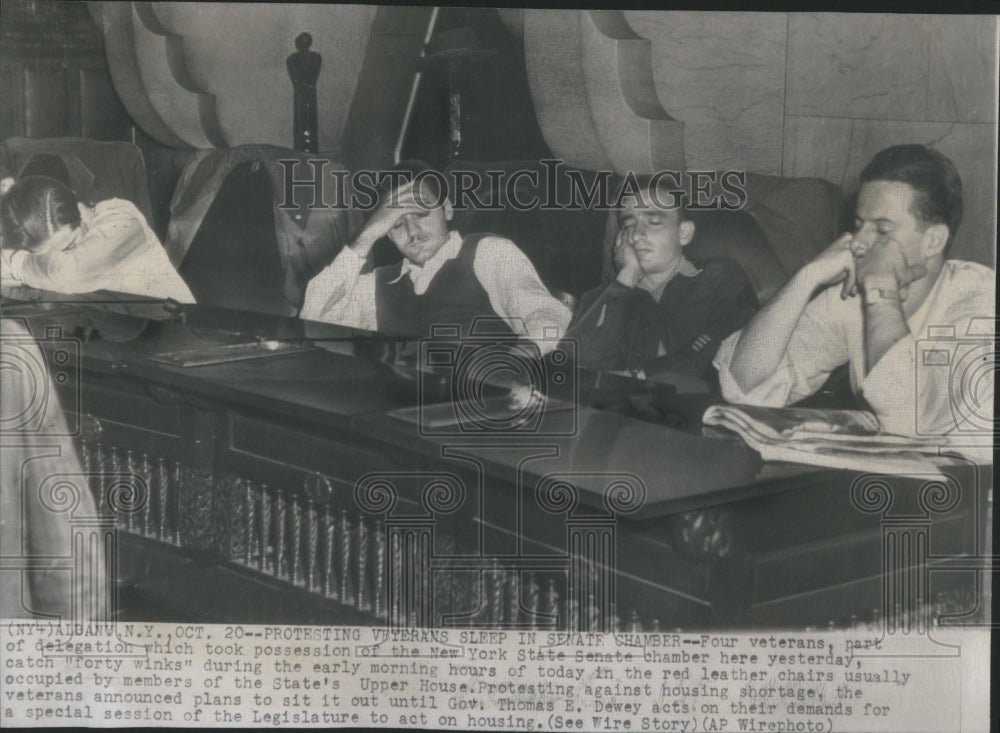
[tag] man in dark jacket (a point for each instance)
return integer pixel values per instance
(663, 314)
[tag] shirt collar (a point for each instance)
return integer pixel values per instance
(449, 251)
(685, 268)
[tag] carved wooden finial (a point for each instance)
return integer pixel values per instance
(303, 68)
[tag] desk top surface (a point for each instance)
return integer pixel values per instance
(599, 430)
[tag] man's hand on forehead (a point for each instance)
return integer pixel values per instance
(393, 198)
(411, 199)
(391, 210)
(426, 196)
(396, 205)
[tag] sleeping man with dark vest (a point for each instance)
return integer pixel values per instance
(443, 278)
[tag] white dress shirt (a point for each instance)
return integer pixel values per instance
(342, 294)
(923, 385)
(118, 251)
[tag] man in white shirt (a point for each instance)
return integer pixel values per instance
(443, 278)
(911, 324)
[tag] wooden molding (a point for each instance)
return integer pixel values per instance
(591, 81)
(186, 110)
(119, 40)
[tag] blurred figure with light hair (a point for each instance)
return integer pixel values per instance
(52, 563)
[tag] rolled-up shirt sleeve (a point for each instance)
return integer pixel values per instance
(341, 294)
(817, 346)
(518, 295)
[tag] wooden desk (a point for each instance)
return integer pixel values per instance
(278, 486)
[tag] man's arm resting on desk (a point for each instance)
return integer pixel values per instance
(762, 344)
(81, 266)
(517, 293)
(885, 323)
(601, 323)
(724, 304)
(890, 378)
(600, 326)
(884, 276)
(7, 275)
(341, 294)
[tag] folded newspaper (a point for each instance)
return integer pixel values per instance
(849, 439)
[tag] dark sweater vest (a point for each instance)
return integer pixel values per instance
(455, 297)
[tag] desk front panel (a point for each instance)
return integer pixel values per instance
(291, 489)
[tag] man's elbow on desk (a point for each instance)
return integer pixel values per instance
(547, 328)
(731, 383)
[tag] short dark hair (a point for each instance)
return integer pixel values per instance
(933, 177)
(34, 209)
(666, 190)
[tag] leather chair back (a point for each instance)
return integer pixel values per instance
(233, 260)
(784, 223)
(97, 169)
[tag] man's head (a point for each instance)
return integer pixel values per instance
(421, 228)
(656, 225)
(39, 214)
(913, 195)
